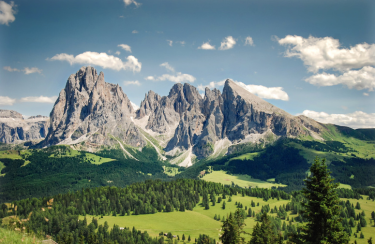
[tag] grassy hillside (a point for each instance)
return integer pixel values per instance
(59, 169)
(15, 237)
(201, 221)
(240, 180)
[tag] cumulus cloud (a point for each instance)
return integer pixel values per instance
(325, 53)
(134, 31)
(261, 91)
(358, 79)
(178, 78)
(135, 82)
(249, 41)
(6, 100)
(357, 119)
(265, 92)
(366, 94)
(135, 106)
(28, 70)
(207, 46)
(227, 43)
(167, 66)
(7, 13)
(211, 85)
(10, 69)
(100, 59)
(125, 47)
(128, 2)
(170, 42)
(181, 42)
(40, 99)
(117, 52)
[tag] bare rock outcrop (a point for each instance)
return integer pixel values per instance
(235, 115)
(90, 109)
(15, 129)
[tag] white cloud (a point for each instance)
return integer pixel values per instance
(227, 43)
(134, 31)
(28, 70)
(178, 78)
(10, 69)
(7, 12)
(366, 94)
(207, 46)
(6, 100)
(100, 59)
(325, 53)
(357, 119)
(117, 52)
(358, 79)
(260, 91)
(125, 47)
(211, 85)
(249, 41)
(167, 66)
(135, 82)
(265, 92)
(135, 106)
(40, 99)
(128, 2)
(170, 42)
(181, 42)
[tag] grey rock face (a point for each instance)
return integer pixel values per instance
(10, 114)
(15, 129)
(88, 106)
(235, 114)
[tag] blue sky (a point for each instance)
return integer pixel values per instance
(311, 57)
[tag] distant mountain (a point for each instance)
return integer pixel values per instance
(14, 128)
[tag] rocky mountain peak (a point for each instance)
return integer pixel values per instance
(10, 114)
(90, 109)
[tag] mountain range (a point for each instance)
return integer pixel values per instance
(91, 114)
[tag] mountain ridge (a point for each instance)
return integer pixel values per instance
(90, 114)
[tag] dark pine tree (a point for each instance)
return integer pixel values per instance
(322, 208)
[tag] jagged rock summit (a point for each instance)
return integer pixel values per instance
(92, 110)
(183, 124)
(209, 125)
(14, 128)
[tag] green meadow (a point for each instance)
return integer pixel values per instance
(240, 180)
(193, 223)
(201, 221)
(15, 237)
(90, 157)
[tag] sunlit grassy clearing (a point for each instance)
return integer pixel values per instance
(369, 231)
(15, 237)
(345, 186)
(240, 180)
(193, 223)
(11, 154)
(247, 156)
(94, 159)
(97, 159)
(171, 171)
